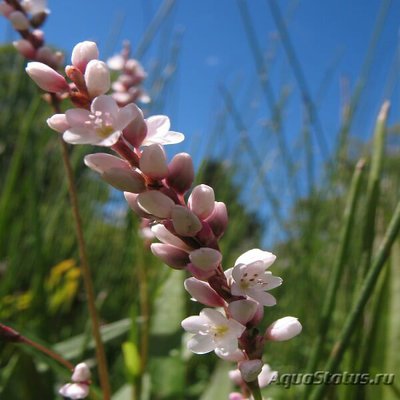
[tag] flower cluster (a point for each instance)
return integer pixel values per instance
(189, 230)
(127, 87)
(26, 17)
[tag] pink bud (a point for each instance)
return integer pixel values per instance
(153, 162)
(181, 173)
(218, 220)
(184, 221)
(236, 377)
(136, 131)
(25, 48)
(58, 122)
(201, 201)
(242, 310)
(236, 396)
(206, 258)
(258, 316)
(203, 293)
(165, 236)
(131, 199)
(283, 329)
(116, 172)
(170, 255)
(47, 56)
(201, 274)
(81, 373)
(156, 203)
(82, 53)
(19, 21)
(250, 369)
(46, 78)
(6, 9)
(97, 78)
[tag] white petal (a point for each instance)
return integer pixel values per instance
(194, 324)
(271, 281)
(266, 376)
(105, 103)
(80, 136)
(126, 115)
(110, 140)
(75, 391)
(264, 298)
(158, 125)
(170, 137)
(77, 117)
(215, 317)
(254, 255)
(165, 236)
(201, 344)
(236, 355)
(237, 272)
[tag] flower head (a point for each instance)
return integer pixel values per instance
(249, 277)
(212, 331)
(102, 125)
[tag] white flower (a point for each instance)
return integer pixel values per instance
(158, 131)
(79, 388)
(102, 125)
(213, 331)
(249, 277)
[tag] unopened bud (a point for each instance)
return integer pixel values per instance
(283, 329)
(97, 78)
(19, 21)
(58, 122)
(203, 293)
(116, 172)
(165, 236)
(181, 173)
(131, 199)
(81, 373)
(201, 201)
(250, 369)
(153, 162)
(184, 221)
(46, 78)
(170, 255)
(25, 48)
(84, 52)
(136, 131)
(206, 258)
(156, 203)
(243, 311)
(218, 220)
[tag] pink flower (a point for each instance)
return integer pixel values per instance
(212, 331)
(79, 388)
(249, 277)
(102, 125)
(158, 131)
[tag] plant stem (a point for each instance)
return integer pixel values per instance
(255, 390)
(86, 275)
(370, 281)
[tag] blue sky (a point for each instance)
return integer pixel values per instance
(327, 35)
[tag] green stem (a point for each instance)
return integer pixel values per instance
(86, 275)
(370, 281)
(255, 390)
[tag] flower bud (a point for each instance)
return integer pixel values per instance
(258, 316)
(201, 201)
(218, 220)
(201, 274)
(131, 199)
(116, 172)
(206, 258)
(165, 236)
(136, 131)
(236, 396)
(6, 9)
(81, 373)
(58, 122)
(184, 221)
(46, 78)
(203, 293)
(283, 329)
(180, 173)
(243, 311)
(156, 203)
(170, 255)
(236, 377)
(97, 78)
(235, 356)
(84, 52)
(250, 369)
(19, 21)
(25, 48)
(153, 162)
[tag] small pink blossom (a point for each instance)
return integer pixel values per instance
(79, 388)
(158, 132)
(46, 77)
(212, 331)
(102, 125)
(202, 200)
(283, 329)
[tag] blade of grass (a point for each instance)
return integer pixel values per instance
(364, 295)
